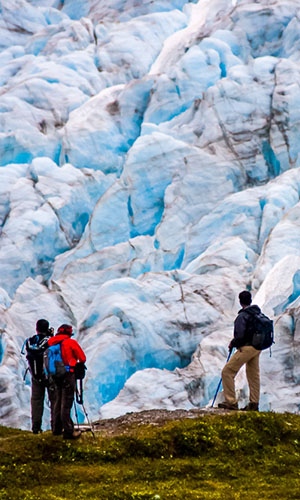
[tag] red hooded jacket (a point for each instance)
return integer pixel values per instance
(71, 351)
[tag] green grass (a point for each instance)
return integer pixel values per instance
(249, 456)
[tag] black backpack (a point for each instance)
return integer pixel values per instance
(263, 331)
(35, 347)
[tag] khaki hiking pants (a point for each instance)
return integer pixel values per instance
(244, 355)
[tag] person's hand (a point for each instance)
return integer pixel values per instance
(230, 347)
(79, 370)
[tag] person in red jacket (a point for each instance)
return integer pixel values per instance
(64, 389)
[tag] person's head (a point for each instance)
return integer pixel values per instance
(42, 326)
(245, 298)
(65, 330)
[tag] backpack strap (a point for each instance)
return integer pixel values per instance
(23, 347)
(25, 373)
(60, 343)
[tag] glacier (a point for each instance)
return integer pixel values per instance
(149, 172)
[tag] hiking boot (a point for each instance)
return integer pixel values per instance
(37, 431)
(228, 406)
(251, 407)
(74, 435)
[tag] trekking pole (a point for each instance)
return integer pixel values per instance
(79, 393)
(88, 421)
(76, 413)
(220, 382)
(79, 400)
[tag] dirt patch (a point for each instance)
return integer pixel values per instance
(122, 424)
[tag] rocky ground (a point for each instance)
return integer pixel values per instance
(123, 424)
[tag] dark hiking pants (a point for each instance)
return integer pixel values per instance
(38, 391)
(64, 391)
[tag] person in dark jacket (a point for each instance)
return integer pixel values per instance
(245, 354)
(64, 389)
(35, 347)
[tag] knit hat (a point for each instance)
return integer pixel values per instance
(65, 330)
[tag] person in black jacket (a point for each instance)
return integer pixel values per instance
(245, 354)
(35, 347)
